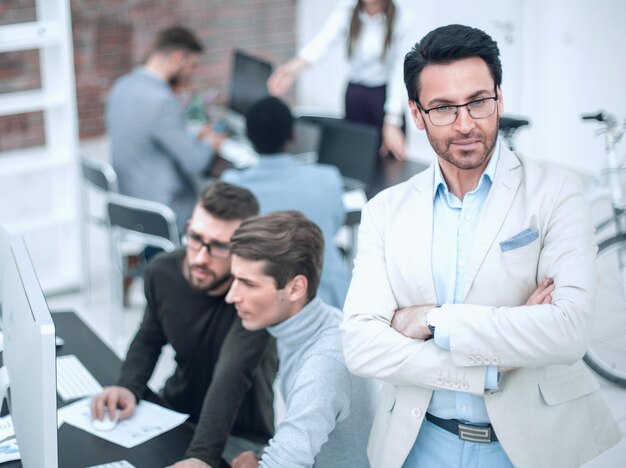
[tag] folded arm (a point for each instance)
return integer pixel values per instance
(372, 348)
(239, 359)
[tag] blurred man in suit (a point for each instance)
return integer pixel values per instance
(153, 154)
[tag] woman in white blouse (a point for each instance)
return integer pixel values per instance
(377, 36)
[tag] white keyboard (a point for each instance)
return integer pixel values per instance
(118, 464)
(74, 380)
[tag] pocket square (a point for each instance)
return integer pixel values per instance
(520, 239)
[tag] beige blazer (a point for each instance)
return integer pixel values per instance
(547, 413)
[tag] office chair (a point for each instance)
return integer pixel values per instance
(141, 222)
(99, 181)
(306, 137)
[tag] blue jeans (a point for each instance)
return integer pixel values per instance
(435, 446)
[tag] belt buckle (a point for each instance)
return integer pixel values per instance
(475, 433)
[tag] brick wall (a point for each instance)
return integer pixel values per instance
(113, 36)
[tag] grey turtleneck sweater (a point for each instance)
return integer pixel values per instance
(329, 411)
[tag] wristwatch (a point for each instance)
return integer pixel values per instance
(431, 328)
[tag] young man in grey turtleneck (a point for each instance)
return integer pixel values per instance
(276, 264)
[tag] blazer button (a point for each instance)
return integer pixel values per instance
(440, 380)
(495, 360)
(456, 384)
(447, 382)
(416, 412)
(471, 359)
(464, 385)
(479, 359)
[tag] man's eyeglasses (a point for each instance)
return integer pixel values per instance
(215, 249)
(446, 115)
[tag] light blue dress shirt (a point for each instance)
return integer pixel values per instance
(454, 227)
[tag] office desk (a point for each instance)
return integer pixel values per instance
(80, 449)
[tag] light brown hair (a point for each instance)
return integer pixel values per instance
(288, 242)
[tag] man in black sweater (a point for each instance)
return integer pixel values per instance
(223, 377)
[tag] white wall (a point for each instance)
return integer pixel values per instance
(561, 58)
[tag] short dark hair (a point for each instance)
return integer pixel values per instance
(288, 242)
(269, 125)
(227, 202)
(177, 38)
(445, 45)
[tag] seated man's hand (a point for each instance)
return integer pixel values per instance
(112, 398)
(190, 463)
(411, 321)
(245, 460)
(215, 139)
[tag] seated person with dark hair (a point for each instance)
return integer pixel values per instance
(224, 373)
(282, 182)
(276, 266)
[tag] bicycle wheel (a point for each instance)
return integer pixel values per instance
(606, 354)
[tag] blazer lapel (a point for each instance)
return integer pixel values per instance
(507, 181)
(419, 234)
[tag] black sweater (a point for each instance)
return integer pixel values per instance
(224, 373)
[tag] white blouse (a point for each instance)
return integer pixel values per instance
(365, 65)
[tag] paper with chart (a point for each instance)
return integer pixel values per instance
(148, 421)
(9, 450)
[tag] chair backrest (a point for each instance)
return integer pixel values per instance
(351, 147)
(143, 221)
(100, 175)
(306, 137)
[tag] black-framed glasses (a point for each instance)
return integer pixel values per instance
(215, 249)
(446, 115)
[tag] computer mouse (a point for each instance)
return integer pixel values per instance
(106, 423)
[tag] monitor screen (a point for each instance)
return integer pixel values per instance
(29, 356)
(248, 81)
(351, 147)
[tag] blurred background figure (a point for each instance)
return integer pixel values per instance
(377, 35)
(282, 182)
(153, 153)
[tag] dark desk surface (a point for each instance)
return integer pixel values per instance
(78, 448)
(390, 172)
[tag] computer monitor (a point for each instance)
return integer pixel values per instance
(29, 356)
(248, 81)
(351, 147)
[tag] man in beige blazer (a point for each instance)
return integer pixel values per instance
(492, 254)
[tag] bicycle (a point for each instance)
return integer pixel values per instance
(509, 127)
(606, 353)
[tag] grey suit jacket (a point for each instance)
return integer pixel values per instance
(151, 150)
(281, 182)
(548, 412)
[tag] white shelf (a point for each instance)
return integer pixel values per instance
(24, 36)
(36, 159)
(63, 282)
(29, 101)
(26, 226)
(39, 187)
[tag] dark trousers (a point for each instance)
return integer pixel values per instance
(366, 105)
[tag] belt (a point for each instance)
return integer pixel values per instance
(483, 434)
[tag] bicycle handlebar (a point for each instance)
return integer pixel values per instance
(600, 116)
